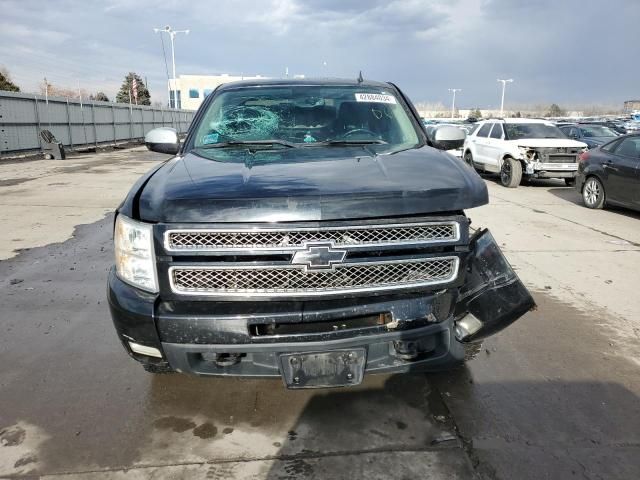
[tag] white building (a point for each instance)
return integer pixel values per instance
(191, 90)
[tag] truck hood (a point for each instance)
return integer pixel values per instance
(548, 143)
(307, 184)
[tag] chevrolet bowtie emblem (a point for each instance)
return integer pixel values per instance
(318, 256)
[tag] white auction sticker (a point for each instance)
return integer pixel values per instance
(375, 98)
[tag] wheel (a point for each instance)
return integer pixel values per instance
(593, 193)
(510, 173)
(570, 182)
(157, 369)
(468, 159)
(48, 156)
(471, 350)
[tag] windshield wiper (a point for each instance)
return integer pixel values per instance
(341, 143)
(249, 143)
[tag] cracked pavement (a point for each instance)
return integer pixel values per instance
(556, 395)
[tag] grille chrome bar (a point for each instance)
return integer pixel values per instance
(292, 280)
(294, 238)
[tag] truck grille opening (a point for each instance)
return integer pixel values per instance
(273, 329)
(292, 280)
(560, 159)
(274, 239)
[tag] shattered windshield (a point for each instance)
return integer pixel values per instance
(516, 131)
(306, 116)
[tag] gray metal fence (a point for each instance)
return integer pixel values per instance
(78, 125)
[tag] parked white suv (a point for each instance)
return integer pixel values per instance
(519, 148)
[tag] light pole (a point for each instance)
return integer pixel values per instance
(172, 34)
(504, 87)
(453, 103)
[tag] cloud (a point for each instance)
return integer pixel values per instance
(566, 52)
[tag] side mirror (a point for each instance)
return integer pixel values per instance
(447, 137)
(163, 140)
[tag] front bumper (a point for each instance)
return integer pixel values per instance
(551, 170)
(191, 336)
(441, 350)
(580, 179)
(424, 332)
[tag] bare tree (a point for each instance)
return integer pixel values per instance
(55, 91)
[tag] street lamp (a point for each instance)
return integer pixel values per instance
(453, 103)
(504, 86)
(172, 34)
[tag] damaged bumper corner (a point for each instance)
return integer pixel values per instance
(492, 297)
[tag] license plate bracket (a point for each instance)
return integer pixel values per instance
(334, 368)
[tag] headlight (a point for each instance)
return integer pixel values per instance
(135, 259)
(527, 153)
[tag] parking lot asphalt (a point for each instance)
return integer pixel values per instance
(556, 395)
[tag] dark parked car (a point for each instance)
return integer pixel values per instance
(615, 125)
(611, 174)
(592, 134)
(307, 230)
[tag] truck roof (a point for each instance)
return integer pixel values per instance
(263, 82)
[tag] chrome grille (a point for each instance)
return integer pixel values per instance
(291, 238)
(294, 280)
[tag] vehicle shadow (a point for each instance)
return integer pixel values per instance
(571, 195)
(551, 429)
(536, 182)
(390, 426)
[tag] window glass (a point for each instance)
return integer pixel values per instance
(597, 131)
(609, 147)
(484, 130)
(194, 93)
(629, 147)
(517, 131)
(496, 132)
(308, 114)
(173, 95)
(207, 92)
(471, 128)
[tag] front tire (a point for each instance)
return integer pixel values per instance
(468, 159)
(593, 193)
(510, 173)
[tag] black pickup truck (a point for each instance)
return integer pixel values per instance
(308, 230)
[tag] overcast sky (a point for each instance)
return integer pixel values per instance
(564, 51)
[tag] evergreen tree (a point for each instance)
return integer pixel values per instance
(5, 82)
(143, 94)
(101, 97)
(555, 111)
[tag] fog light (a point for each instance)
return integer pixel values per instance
(467, 326)
(144, 350)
